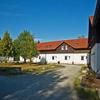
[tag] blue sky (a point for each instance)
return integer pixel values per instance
(46, 19)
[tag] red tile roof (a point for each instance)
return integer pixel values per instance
(75, 43)
(49, 45)
(91, 18)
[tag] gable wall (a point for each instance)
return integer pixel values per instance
(69, 50)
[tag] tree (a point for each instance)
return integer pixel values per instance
(7, 45)
(26, 45)
(16, 48)
(1, 48)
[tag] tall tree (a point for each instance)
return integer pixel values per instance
(27, 47)
(1, 48)
(7, 45)
(16, 49)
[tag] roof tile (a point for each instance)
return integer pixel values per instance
(75, 43)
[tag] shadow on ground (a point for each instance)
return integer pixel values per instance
(46, 86)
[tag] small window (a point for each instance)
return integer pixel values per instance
(65, 57)
(69, 57)
(66, 47)
(62, 48)
(53, 57)
(39, 57)
(82, 57)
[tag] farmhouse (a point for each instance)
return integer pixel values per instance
(94, 39)
(65, 51)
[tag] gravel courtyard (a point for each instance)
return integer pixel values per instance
(55, 85)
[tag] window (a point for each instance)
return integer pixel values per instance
(66, 47)
(39, 57)
(62, 48)
(53, 57)
(82, 57)
(65, 57)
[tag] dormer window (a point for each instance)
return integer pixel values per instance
(66, 47)
(63, 48)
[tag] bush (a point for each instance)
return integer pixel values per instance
(85, 93)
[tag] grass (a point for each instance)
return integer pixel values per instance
(26, 68)
(41, 68)
(85, 93)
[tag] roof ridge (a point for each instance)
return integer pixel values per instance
(64, 40)
(82, 43)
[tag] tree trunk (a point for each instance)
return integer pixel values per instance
(24, 59)
(30, 60)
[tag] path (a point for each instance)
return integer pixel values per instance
(56, 85)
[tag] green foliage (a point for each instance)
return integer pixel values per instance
(16, 48)
(1, 47)
(26, 46)
(85, 93)
(7, 49)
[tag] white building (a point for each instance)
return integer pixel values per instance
(94, 39)
(66, 51)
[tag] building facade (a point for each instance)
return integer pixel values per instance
(66, 51)
(94, 39)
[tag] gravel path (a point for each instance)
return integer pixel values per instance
(55, 85)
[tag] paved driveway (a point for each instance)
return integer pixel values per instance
(55, 85)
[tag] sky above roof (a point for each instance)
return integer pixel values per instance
(46, 19)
